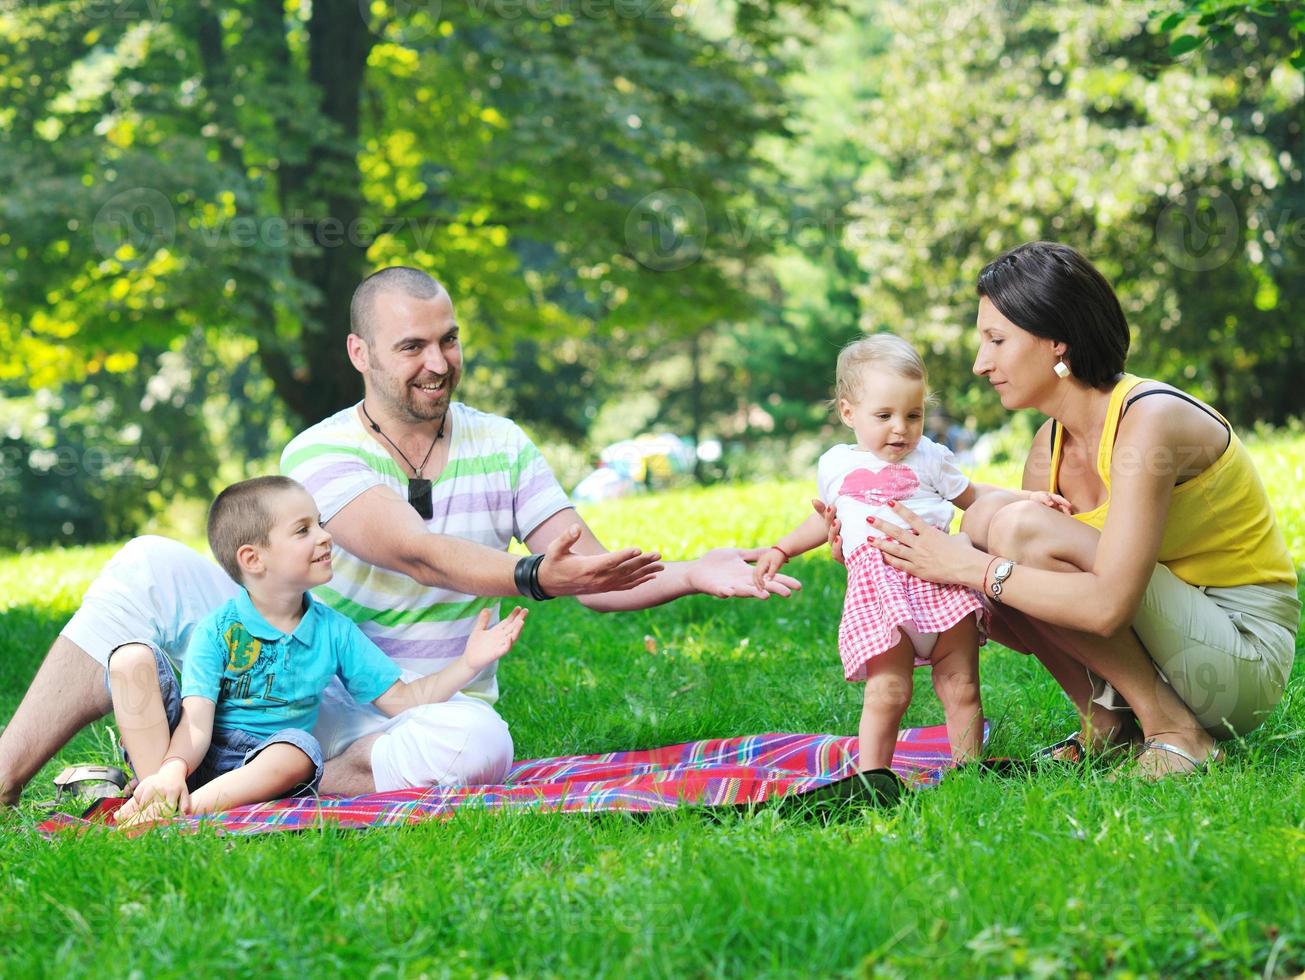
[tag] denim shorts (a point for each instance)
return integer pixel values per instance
(230, 748)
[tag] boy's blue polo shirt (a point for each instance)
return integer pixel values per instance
(264, 680)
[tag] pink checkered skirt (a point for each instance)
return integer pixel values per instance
(881, 598)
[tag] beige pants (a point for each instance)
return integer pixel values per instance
(1226, 652)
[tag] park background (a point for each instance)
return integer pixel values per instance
(652, 215)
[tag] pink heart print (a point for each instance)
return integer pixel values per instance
(893, 482)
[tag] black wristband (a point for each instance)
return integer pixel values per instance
(521, 574)
(536, 590)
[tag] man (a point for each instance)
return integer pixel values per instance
(400, 572)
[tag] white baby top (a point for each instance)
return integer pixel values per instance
(858, 484)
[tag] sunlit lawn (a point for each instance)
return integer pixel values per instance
(1054, 874)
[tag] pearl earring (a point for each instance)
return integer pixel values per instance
(1061, 369)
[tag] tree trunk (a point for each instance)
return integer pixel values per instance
(314, 379)
(338, 47)
(695, 400)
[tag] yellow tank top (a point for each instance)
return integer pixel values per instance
(1221, 530)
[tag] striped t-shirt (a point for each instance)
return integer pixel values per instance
(494, 487)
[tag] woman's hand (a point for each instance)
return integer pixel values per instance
(929, 553)
(834, 529)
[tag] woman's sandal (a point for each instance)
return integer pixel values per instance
(1198, 766)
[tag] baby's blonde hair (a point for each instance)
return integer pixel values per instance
(885, 350)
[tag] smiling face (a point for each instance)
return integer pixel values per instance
(298, 549)
(1016, 363)
(413, 362)
(886, 412)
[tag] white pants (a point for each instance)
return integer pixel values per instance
(459, 742)
(155, 590)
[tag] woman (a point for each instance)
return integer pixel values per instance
(1167, 602)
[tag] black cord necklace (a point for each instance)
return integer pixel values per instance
(419, 488)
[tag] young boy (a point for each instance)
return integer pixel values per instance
(237, 732)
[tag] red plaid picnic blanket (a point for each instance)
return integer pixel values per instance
(715, 772)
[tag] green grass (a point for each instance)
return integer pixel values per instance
(1056, 874)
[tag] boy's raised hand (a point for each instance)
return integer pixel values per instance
(485, 645)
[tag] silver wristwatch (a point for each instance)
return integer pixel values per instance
(999, 576)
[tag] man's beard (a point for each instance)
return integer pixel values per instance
(401, 400)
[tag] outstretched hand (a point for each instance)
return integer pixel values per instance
(726, 574)
(564, 572)
(924, 550)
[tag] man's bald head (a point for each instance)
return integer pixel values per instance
(401, 279)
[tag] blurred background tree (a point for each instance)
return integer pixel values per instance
(651, 215)
(1178, 175)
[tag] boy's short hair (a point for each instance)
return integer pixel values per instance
(885, 350)
(240, 516)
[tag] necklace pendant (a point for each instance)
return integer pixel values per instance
(421, 497)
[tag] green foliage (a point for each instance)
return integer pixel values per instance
(1056, 874)
(1012, 122)
(1216, 21)
(175, 166)
(105, 457)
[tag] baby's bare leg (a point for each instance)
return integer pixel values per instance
(887, 696)
(955, 661)
(138, 707)
(271, 774)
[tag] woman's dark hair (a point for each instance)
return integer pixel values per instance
(1053, 292)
